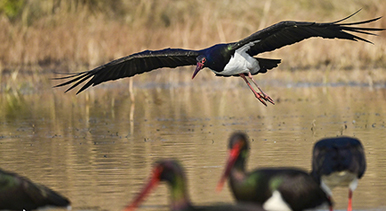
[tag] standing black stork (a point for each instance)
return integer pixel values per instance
(338, 162)
(171, 172)
(279, 188)
(228, 59)
(19, 193)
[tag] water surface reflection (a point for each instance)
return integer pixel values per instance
(97, 148)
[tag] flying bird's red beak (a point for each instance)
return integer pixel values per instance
(233, 154)
(199, 66)
(150, 185)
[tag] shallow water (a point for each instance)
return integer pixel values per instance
(97, 148)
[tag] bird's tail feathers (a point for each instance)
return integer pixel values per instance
(267, 64)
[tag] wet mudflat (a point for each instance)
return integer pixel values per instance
(97, 148)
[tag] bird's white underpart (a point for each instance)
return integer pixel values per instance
(241, 62)
(342, 178)
(276, 203)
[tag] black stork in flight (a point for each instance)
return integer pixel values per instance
(227, 59)
(21, 194)
(338, 162)
(281, 188)
(171, 172)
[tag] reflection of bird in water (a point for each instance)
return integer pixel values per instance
(338, 162)
(227, 59)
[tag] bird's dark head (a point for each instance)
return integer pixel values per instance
(238, 153)
(201, 60)
(215, 58)
(238, 141)
(169, 171)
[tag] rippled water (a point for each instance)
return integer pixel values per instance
(97, 148)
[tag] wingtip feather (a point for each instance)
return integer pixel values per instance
(343, 19)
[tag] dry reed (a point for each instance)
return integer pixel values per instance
(71, 37)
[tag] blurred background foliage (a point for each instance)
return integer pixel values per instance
(10, 8)
(75, 35)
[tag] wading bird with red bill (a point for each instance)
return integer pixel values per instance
(279, 188)
(21, 194)
(226, 59)
(338, 162)
(171, 172)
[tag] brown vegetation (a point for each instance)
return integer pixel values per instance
(76, 35)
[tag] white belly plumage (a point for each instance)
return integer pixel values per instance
(343, 178)
(241, 62)
(276, 203)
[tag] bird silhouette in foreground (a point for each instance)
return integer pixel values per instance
(226, 59)
(19, 193)
(279, 188)
(171, 172)
(338, 162)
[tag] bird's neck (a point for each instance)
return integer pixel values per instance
(240, 183)
(238, 173)
(179, 196)
(218, 56)
(240, 162)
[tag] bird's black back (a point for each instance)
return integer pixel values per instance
(19, 193)
(297, 187)
(338, 154)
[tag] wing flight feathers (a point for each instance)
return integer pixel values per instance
(131, 65)
(290, 32)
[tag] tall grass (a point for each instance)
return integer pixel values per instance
(74, 35)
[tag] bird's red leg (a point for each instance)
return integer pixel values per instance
(265, 96)
(349, 208)
(259, 96)
(331, 209)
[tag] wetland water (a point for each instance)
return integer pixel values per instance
(97, 148)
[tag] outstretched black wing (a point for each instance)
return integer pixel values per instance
(289, 32)
(131, 65)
